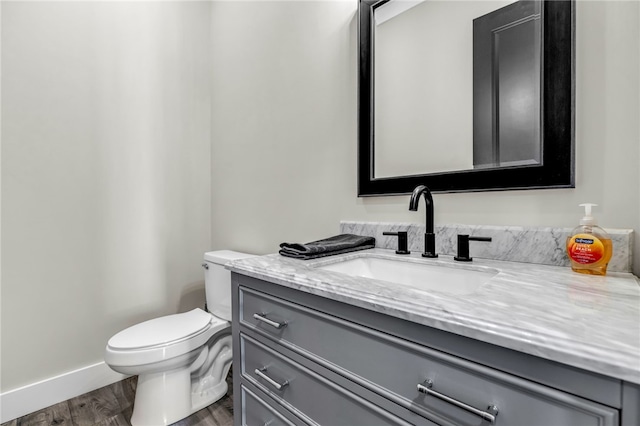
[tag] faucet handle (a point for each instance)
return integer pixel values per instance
(463, 246)
(402, 241)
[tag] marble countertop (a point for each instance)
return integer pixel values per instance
(589, 322)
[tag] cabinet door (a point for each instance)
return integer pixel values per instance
(305, 393)
(257, 412)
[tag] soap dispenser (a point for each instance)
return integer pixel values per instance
(589, 247)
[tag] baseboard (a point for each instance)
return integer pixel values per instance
(36, 396)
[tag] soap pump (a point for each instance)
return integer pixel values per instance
(589, 247)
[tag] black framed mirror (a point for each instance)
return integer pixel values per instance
(554, 167)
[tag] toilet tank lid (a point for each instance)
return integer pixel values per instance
(224, 256)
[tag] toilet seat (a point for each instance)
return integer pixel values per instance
(161, 331)
(163, 338)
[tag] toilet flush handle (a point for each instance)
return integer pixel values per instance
(205, 265)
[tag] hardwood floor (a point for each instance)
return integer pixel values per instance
(112, 406)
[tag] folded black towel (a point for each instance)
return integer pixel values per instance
(343, 243)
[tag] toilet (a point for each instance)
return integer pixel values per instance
(181, 360)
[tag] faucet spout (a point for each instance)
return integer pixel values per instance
(429, 236)
(428, 200)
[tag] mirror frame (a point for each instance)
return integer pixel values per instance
(557, 120)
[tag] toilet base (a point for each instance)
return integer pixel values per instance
(201, 400)
(175, 388)
(165, 398)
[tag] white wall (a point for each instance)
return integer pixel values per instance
(105, 175)
(284, 132)
(283, 121)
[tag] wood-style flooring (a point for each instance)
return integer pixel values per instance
(112, 406)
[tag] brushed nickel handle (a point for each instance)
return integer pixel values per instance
(264, 319)
(489, 415)
(261, 373)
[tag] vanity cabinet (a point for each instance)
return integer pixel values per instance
(304, 359)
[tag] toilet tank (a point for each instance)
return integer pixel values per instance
(217, 281)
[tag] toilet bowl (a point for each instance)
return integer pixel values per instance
(181, 360)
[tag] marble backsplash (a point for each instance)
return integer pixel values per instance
(545, 246)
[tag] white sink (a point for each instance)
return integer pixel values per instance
(422, 276)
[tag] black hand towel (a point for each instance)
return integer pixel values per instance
(343, 243)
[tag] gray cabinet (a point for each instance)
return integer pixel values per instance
(311, 360)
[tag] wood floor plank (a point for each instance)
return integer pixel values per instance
(226, 403)
(125, 391)
(221, 415)
(55, 415)
(121, 419)
(118, 420)
(94, 407)
(199, 418)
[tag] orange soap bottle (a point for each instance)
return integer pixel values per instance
(589, 247)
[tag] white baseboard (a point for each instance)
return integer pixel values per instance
(36, 396)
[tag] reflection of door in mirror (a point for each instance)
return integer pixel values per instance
(506, 86)
(423, 118)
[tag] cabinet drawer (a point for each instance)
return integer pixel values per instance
(394, 368)
(304, 392)
(256, 412)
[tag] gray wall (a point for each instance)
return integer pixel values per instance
(125, 156)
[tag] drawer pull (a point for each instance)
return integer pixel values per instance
(261, 317)
(279, 386)
(489, 415)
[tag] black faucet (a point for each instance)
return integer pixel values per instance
(429, 236)
(463, 246)
(402, 241)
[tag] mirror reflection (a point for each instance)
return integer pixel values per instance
(457, 85)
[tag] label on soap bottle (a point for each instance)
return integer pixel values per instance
(585, 248)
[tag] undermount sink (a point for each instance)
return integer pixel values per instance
(422, 276)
